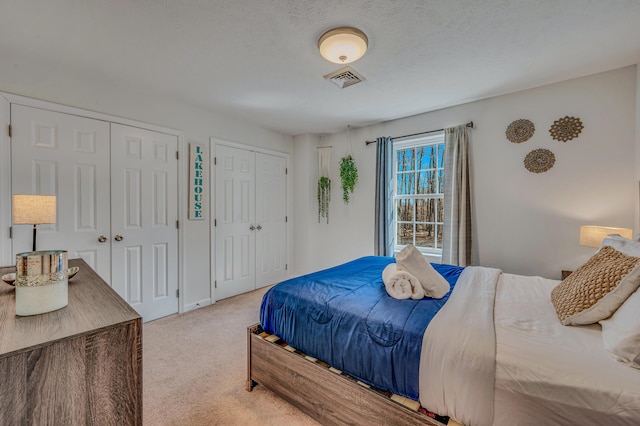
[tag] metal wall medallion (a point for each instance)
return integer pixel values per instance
(566, 128)
(520, 130)
(539, 160)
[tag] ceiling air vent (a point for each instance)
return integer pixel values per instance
(345, 77)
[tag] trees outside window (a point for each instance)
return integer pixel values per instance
(418, 193)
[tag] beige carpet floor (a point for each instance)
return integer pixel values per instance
(195, 367)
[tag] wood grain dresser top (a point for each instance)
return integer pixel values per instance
(93, 305)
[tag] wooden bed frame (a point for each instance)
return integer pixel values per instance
(324, 393)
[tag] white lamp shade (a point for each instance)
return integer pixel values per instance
(34, 209)
(592, 236)
(343, 45)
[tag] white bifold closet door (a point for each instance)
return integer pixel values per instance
(250, 216)
(144, 215)
(117, 207)
(66, 156)
(271, 217)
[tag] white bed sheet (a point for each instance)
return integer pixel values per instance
(548, 373)
(457, 362)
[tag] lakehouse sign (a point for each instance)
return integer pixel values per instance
(197, 187)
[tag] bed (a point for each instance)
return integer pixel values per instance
(494, 353)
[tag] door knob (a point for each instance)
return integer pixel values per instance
(118, 237)
(102, 239)
(259, 227)
(251, 228)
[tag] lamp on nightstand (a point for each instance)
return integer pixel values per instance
(592, 236)
(34, 210)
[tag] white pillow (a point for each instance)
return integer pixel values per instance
(622, 244)
(621, 332)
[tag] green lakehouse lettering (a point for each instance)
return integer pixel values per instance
(198, 183)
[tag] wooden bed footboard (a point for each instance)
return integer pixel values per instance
(325, 394)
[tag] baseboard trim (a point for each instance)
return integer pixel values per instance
(198, 304)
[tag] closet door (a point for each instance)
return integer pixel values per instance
(144, 214)
(67, 156)
(250, 216)
(235, 221)
(271, 217)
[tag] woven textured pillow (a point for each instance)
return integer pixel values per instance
(596, 289)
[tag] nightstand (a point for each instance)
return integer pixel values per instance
(565, 274)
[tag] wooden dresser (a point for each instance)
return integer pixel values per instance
(79, 365)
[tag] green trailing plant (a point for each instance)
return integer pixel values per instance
(349, 176)
(324, 196)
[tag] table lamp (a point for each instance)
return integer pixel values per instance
(34, 210)
(592, 236)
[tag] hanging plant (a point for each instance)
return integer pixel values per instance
(324, 196)
(349, 176)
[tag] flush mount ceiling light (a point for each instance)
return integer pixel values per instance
(343, 45)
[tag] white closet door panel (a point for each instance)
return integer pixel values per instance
(132, 202)
(89, 256)
(67, 156)
(86, 196)
(235, 215)
(133, 271)
(160, 277)
(144, 213)
(271, 212)
(160, 208)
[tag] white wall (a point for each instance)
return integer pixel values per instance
(5, 185)
(637, 156)
(304, 200)
(90, 90)
(525, 223)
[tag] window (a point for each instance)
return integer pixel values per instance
(418, 198)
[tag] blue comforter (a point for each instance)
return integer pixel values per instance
(344, 316)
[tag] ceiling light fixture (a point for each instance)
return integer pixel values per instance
(343, 45)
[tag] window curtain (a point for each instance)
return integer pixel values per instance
(383, 235)
(457, 247)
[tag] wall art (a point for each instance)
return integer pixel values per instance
(539, 160)
(566, 128)
(520, 130)
(197, 181)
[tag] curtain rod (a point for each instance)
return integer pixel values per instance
(469, 124)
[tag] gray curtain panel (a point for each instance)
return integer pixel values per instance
(457, 242)
(383, 237)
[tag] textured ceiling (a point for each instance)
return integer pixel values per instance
(257, 59)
